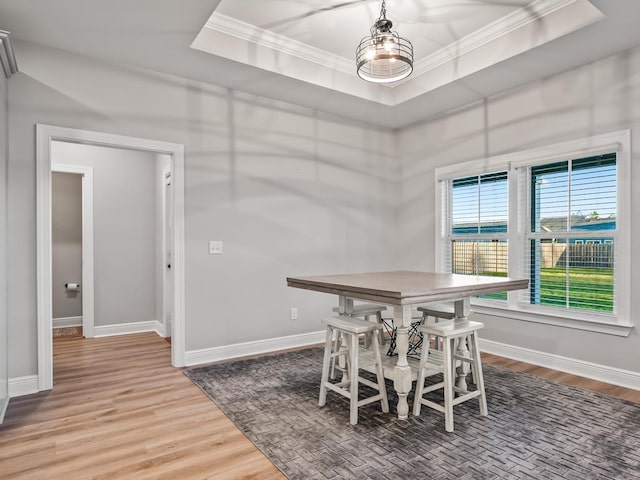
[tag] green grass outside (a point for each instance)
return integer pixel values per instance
(589, 288)
(494, 296)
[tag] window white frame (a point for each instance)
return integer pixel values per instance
(618, 142)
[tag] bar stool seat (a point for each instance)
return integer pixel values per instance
(438, 311)
(351, 329)
(449, 332)
(368, 311)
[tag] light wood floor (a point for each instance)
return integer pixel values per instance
(119, 410)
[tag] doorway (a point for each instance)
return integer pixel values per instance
(173, 200)
(83, 289)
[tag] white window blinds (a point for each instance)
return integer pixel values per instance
(571, 234)
(477, 232)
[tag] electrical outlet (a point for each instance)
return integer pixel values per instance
(294, 313)
(215, 247)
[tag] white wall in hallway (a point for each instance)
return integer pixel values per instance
(66, 243)
(124, 223)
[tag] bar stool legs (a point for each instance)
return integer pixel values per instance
(476, 372)
(329, 354)
(449, 333)
(352, 328)
(367, 311)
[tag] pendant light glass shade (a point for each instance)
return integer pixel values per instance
(384, 56)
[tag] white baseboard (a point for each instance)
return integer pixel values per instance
(3, 408)
(23, 386)
(602, 373)
(128, 328)
(64, 322)
(159, 328)
(216, 354)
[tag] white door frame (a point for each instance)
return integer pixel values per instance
(45, 134)
(87, 241)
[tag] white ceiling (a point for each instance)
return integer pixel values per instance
(301, 50)
(315, 43)
(336, 26)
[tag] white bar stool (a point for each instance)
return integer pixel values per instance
(438, 312)
(367, 311)
(352, 328)
(445, 362)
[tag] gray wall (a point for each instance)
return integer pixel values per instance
(293, 191)
(124, 227)
(289, 190)
(66, 243)
(4, 139)
(598, 98)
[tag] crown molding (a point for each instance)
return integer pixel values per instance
(280, 43)
(502, 27)
(7, 57)
(534, 12)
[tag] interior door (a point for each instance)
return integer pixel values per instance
(167, 242)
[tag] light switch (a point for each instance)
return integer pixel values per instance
(215, 247)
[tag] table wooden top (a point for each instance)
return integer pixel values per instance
(406, 287)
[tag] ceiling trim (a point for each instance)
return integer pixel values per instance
(7, 56)
(572, 16)
(280, 43)
(501, 27)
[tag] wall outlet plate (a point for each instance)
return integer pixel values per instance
(215, 247)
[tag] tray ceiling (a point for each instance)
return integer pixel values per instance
(301, 51)
(314, 41)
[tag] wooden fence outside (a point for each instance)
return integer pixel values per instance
(589, 255)
(491, 257)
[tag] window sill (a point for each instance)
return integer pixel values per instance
(599, 326)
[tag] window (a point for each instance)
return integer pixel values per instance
(556, 215)
(573, 208)
(477, 238)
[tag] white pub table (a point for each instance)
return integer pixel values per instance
(401, 290)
